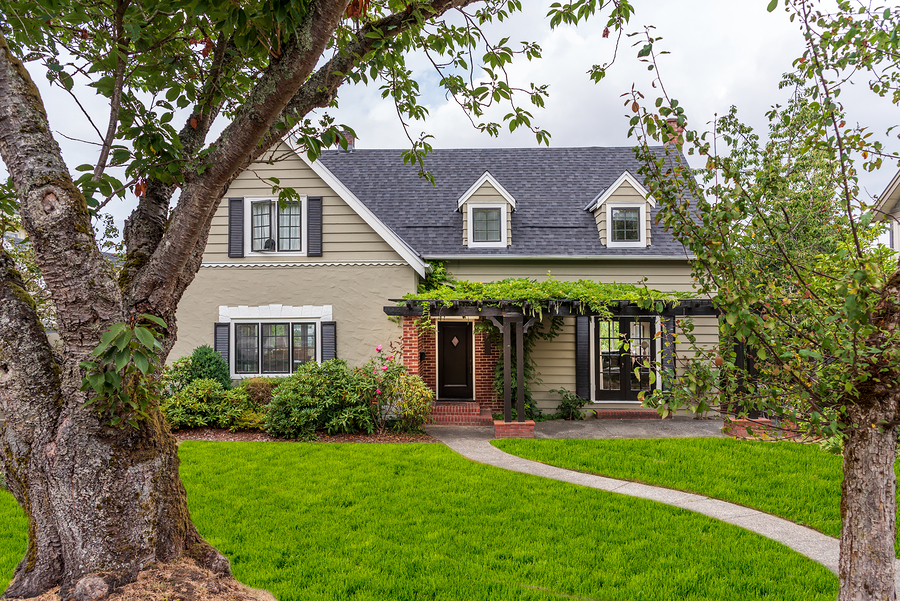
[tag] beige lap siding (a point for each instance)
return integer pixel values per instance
(666, 275)
(625, 192)
(357, 295)
(345, 235)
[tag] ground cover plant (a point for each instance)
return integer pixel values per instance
(799, 482)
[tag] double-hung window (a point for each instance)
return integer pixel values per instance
(273, 348)
(277, 227)
(626, 225)
(486, 224)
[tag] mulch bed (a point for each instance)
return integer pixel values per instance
(225, 435)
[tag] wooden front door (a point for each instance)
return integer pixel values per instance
(455, 360)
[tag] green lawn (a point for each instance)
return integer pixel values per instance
(799, 482)
(314, 521)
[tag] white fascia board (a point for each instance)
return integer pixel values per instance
(508, 257)
(885, 203)
(386, 233)
(625, 177)
(486, 177)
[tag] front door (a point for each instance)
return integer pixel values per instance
(626, 350)
(455, 360)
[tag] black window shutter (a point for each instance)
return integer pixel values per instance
(314, 225)
(235, 227)
(668, 351)
(220, 337)
(329, 340)
(583, 356)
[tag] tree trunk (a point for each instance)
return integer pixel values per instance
(868, 504)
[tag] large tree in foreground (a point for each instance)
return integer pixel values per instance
(817, 300)
(100, 483)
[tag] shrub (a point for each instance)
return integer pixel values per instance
(202, 403)
(259, 390)
(382, 376)
(571, 404)
(415, 402)
(207, 363)
(249, 420)
(316, 397)
(176, 376)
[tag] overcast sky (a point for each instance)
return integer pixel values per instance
(723, 53)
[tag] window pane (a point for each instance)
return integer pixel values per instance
(641, 335)
(626, 225)
(304, 343)
(609, 355)
(486, 225)
(261, 226)
(275, 348)
(289, 222)
(246, 348)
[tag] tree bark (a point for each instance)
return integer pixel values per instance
(868, 506)
(99, 500)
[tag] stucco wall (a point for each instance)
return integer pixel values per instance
(357, 294)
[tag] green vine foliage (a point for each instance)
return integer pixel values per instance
(534, 296)
(121, 374)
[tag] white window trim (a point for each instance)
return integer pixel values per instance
(271, 314)
(642, 219)
(248, 228)
(470, 224)
(486, 177)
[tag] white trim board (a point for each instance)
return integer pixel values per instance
(486, 177)
(625, 177)
(393, 240)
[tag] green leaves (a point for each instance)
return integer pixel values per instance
(121, 374)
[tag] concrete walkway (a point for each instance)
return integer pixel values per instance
(473, 442)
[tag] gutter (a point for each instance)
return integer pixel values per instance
(558, 257)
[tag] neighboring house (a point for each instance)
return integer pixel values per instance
(310, 281)
(888, 207)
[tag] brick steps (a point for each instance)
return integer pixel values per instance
(454, 413)
(624, 414)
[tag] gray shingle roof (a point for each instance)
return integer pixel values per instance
(551, 186)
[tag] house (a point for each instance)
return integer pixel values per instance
(312, 280)
(888, 207)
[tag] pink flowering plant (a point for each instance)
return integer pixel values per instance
(383, 373)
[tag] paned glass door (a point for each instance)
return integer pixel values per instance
(625, 351)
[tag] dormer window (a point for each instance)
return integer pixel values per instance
(275, 227)
(486, 224)
(487, 208)
(621, 213)
(625, 224)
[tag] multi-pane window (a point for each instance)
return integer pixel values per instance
(486, 225)
(246, 348)
(304, 343)
(273, 348)
(275, 226)
(626, 225)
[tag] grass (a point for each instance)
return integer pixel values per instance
(798, 482)
(345, 521)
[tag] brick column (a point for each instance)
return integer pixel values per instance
(428, 365)
(410, 346)
(484, 374)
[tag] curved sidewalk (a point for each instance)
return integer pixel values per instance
(474, 443)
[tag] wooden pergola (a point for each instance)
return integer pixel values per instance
(516, 317)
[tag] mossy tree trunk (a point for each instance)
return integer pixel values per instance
(102, 500)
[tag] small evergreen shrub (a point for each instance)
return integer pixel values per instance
(202, 403)
(315, 397)
(571, 404)
(207, 363)
(250, 419)
(415, 402)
